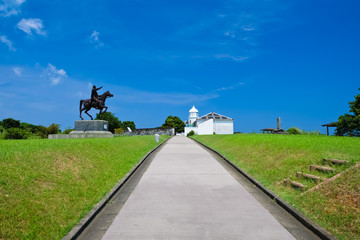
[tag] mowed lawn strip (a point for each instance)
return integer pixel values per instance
(47, 186)
(272, 158)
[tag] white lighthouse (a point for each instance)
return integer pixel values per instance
(193, 115)
(208, 124)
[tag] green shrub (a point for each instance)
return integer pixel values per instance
(311, 132)
(118, 130)
(294, 130)
(2, 135)
(53, 129)
(190, 133)
(16, 133)
(42, 132)
(67, 131)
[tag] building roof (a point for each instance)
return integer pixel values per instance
(193, 109)
(333, 124)
(214, 116)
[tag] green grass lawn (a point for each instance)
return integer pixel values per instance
(272, 158)
(47, 186)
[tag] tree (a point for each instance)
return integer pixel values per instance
(349, 124)
(11, 123)
(29, 127)
(174, 122)
(53, 129)
(113, 121)
(42, 132)
(129, 124)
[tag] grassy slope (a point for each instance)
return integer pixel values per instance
(272, 158)
(46, 187)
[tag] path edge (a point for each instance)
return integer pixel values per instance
(307, 222)
(86, 220)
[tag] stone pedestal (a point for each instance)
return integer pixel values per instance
(87, 129)
(91, 126)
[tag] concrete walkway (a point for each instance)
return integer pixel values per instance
(187, 194)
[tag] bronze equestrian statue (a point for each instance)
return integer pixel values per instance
(96, 101)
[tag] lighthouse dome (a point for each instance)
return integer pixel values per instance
(193, 110)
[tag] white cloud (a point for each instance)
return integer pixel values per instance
(235, 27)
(10, 7)
(94, 39)
(232, 87)
(248, 28)
(17, 71)
(228, 56)
(7, 42)
(19, 2)
(55, 75)
(32, 25)
(230, 34)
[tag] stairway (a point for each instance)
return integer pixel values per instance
(319, 174)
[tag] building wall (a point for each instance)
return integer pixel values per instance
(188, 129)
(210, 126)
(206, 128)
(224, 127)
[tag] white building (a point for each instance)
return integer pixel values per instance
(208, 124)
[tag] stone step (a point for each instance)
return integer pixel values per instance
(295, 184)
(316, 179)
(321, 168)
(336, 161)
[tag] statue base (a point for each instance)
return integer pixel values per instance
(87, 129)
(91, 125)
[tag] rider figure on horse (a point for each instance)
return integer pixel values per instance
(96, 101)
(95, 96)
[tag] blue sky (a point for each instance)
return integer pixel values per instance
(251, 60)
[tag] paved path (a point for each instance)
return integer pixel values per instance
(187, 194)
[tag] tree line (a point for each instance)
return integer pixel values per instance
(14, 129)
(115, 125)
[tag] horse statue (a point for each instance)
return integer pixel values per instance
(97, 105)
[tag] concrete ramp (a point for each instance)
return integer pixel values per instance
(187, 194)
